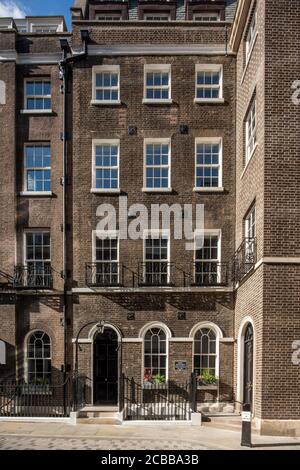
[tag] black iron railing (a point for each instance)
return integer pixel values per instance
(33, 276)
(104, 274)
(209, 273)
(155, 273)
(35, 400)
(158, 401)
(245, 259)
(6, 280)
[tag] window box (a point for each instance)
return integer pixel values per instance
(154, 386)
(202, 386)
(36, 389)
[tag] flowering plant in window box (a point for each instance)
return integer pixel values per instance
(207, 380)
(39, 387)
(153, 381)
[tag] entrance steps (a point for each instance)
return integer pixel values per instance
(226, 421)
(98, 415)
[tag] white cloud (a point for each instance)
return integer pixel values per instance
(9, 8)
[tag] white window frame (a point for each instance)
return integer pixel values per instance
(210, 140)
(168, 334)
(105, 69)
(26, 358)
(34, 110)
(250, 223)
(106, 234)
(251, 140)
(95, 143)
(219, 336)
(163, 141)
(109, 16)
(28, 231)
(25, 168)
(212, 233)
(156, 68)
(45, 26)
(157, 16)
(157, 234)
(251, 37)
(209, 68)
(206, 14)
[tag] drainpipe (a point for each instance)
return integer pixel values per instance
(68, 58)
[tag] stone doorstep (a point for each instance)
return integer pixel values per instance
(227, 422)
(98, 415)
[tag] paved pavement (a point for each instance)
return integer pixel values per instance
(56, 436)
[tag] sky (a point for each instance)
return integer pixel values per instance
(21, 8)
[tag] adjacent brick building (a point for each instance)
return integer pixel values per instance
(162, 103)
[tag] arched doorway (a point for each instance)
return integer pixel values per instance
(248, 365)
(105, 367)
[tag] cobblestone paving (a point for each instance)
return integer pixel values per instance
(49, 443)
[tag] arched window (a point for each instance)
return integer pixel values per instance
(39, 358)
(2, 353)
(205, 351)
(155, 353)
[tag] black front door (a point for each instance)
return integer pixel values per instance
(106, 367)
(248, 365)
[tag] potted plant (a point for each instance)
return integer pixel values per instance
(206, 379)
(159, 379)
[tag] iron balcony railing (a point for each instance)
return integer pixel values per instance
(245, 259)
(155, 273)
(209, 273)
(104, 274)
(35, 276)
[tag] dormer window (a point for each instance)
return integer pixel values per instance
(204, 16)
(109, 16)
(110, 10)
(156, 11)
(157, 17)
(205, 11)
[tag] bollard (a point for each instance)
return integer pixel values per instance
(246, 426)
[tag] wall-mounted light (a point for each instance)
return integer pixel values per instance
(181, 316)
(132, 130)
(184, 129)
(131, 316)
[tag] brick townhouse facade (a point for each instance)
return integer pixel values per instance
(159, 102)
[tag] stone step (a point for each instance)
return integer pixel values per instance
(229, 423)
(96, 414)
(99, 421)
